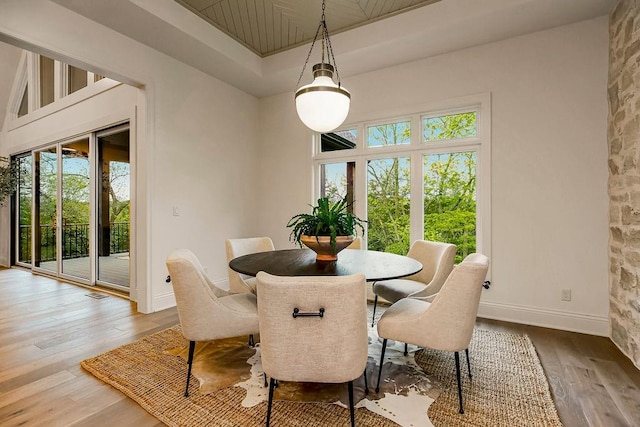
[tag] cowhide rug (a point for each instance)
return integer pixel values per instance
(405, 390)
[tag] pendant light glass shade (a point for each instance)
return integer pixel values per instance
(322, 105)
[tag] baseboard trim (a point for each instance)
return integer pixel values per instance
(555, 319)
(164, 301)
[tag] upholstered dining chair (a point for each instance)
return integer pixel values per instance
(356, 244)
(207, 312)
(437, 261)
(446, 323)
(240, 283)
(313, 329)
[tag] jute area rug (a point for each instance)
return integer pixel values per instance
(508, 388)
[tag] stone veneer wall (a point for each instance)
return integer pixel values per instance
(624, 177)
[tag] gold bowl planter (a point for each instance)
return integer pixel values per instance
(322, 246)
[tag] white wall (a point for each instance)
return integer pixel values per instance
(549, 163)
(10, 57)
(194, 139)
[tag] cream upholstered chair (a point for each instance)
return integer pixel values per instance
(240, 283)
(356, 244)
(313, 329)
(437, 261)
(207, 312)
(446, 323)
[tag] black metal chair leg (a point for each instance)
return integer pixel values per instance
(251, 342)
(406, 349)
(466, 350)
(366, 383)
(384, 346)
(457, 357)
(375, 303)
(264, 375)
(272, 385)
(352, 410)
(192, 347)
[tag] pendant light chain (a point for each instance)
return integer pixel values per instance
(323, 22)
(308, 56)
(322, 105)
(330, 49)
(322, 27)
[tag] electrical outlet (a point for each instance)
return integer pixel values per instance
(565, 295)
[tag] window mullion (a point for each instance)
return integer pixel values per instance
(416, 217)
(58, 81)
(360, 192)
(33, 73)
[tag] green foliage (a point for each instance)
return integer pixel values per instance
(75, 197)
(449, 193)
(8, 178)
(388, 205)
(327, 219)
(449, 200)
(455, 126)
(123, 214)
(457, 227)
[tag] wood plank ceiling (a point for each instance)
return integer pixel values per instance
(271, 26)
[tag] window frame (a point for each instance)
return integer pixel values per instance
(415, 150)
(28, 76)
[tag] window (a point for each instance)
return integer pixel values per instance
(389, 134)
(77, 79)
(339, 140)
(46, 80)
(41, 81)
(24, 102)
(389, 204)
(336, 179)
(450, 200)
(453, 126)
(422, 176)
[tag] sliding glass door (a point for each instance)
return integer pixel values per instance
(45, 218)
(76, 209)
(113, 206)
(75, 222)
(23, 210)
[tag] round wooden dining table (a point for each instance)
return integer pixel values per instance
(375, 265)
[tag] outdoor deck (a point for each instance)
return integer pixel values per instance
(112, 269)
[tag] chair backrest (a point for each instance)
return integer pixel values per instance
(437, 262)
(356, 244)
(451, 317)
(197, 302)
(239, 247)
(330, 349)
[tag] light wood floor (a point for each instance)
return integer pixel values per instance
(47, 327)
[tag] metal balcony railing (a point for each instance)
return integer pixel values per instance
(75, 241)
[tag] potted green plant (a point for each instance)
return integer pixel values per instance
(327, 230)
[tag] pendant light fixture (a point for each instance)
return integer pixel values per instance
(322, 105)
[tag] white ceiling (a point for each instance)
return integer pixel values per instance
(421, 32)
